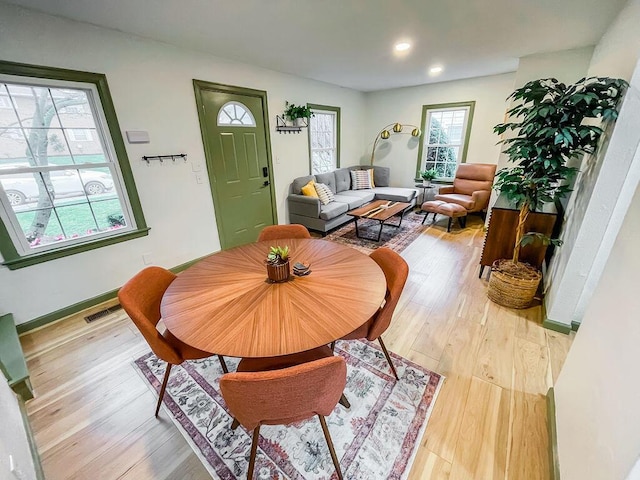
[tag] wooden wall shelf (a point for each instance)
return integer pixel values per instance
(283, 127)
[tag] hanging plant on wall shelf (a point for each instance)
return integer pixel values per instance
(548, 123)
(297, 114)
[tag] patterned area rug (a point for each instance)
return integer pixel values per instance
(376, 438)
(394, 238)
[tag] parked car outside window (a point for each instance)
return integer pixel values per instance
(22, 187)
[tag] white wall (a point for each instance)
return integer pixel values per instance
(618, 50)
(13, 436)
(590, 226)
(590, 221)
(598, 392)
(404, 105)
(568, 66)
(151, 85)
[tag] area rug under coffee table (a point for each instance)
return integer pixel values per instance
(396, 239)
(376, 438)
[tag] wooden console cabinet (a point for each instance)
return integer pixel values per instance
(501, 234)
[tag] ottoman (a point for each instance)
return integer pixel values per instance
(451, 210)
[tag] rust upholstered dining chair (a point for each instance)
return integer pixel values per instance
(285, 396)
(140, 297)
(277, 232)
(471, 187)
(396, 271)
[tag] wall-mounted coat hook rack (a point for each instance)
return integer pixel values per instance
(162, 158)
(283, 127)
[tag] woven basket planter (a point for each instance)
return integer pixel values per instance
(513, 285)
(278, 273)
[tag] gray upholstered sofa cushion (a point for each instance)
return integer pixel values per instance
(366, 195)
(329, 179)
(395, 194)
(298, 183)
(332, 210)
(343, 179)
(350, 200)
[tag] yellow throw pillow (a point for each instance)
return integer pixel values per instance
(373, 184)
(309, 189)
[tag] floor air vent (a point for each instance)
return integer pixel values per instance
(102, 313)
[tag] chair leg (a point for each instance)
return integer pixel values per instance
(449, 224)
(425, 217)
(254, 449)
(223, 364)
(163, 388)
(235, 424)
(386, 354)
(333, 346)
(327, 437)
(344, 402)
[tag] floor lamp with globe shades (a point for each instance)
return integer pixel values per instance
(386, 132)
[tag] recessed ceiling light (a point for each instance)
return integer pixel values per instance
(402, 46)
(435, 70)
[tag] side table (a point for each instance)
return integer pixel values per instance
(428, 193)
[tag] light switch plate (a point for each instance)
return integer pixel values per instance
(137, 136)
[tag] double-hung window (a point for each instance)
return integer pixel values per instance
(445, 137)
(324, 138)
(65, 181)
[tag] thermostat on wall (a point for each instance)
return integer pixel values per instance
(137, 136)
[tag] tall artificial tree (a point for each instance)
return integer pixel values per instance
(548, 121)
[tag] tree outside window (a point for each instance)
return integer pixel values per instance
(63, 182)
(324, 138)
(445, 136)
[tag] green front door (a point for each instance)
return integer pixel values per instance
(232, 122)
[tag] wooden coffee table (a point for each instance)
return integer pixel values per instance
(381, 211)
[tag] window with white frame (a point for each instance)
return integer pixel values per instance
(56, 193)
(444, 140)
(324, 138)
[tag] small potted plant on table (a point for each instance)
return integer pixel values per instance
(278, 264)
(427, 176)
(297, 114)
(548, 122)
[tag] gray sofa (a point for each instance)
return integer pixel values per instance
(309, 212)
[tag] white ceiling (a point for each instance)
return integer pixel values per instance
(350, 42)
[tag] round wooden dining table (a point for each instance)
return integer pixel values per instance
(225, 305)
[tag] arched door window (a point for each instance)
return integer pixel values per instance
(235, 114)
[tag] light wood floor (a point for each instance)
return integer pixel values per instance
(93, 415)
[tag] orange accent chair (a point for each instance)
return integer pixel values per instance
(140, 297)
(396, 271)
(279, 232)
(285, 396)
(471, 187)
